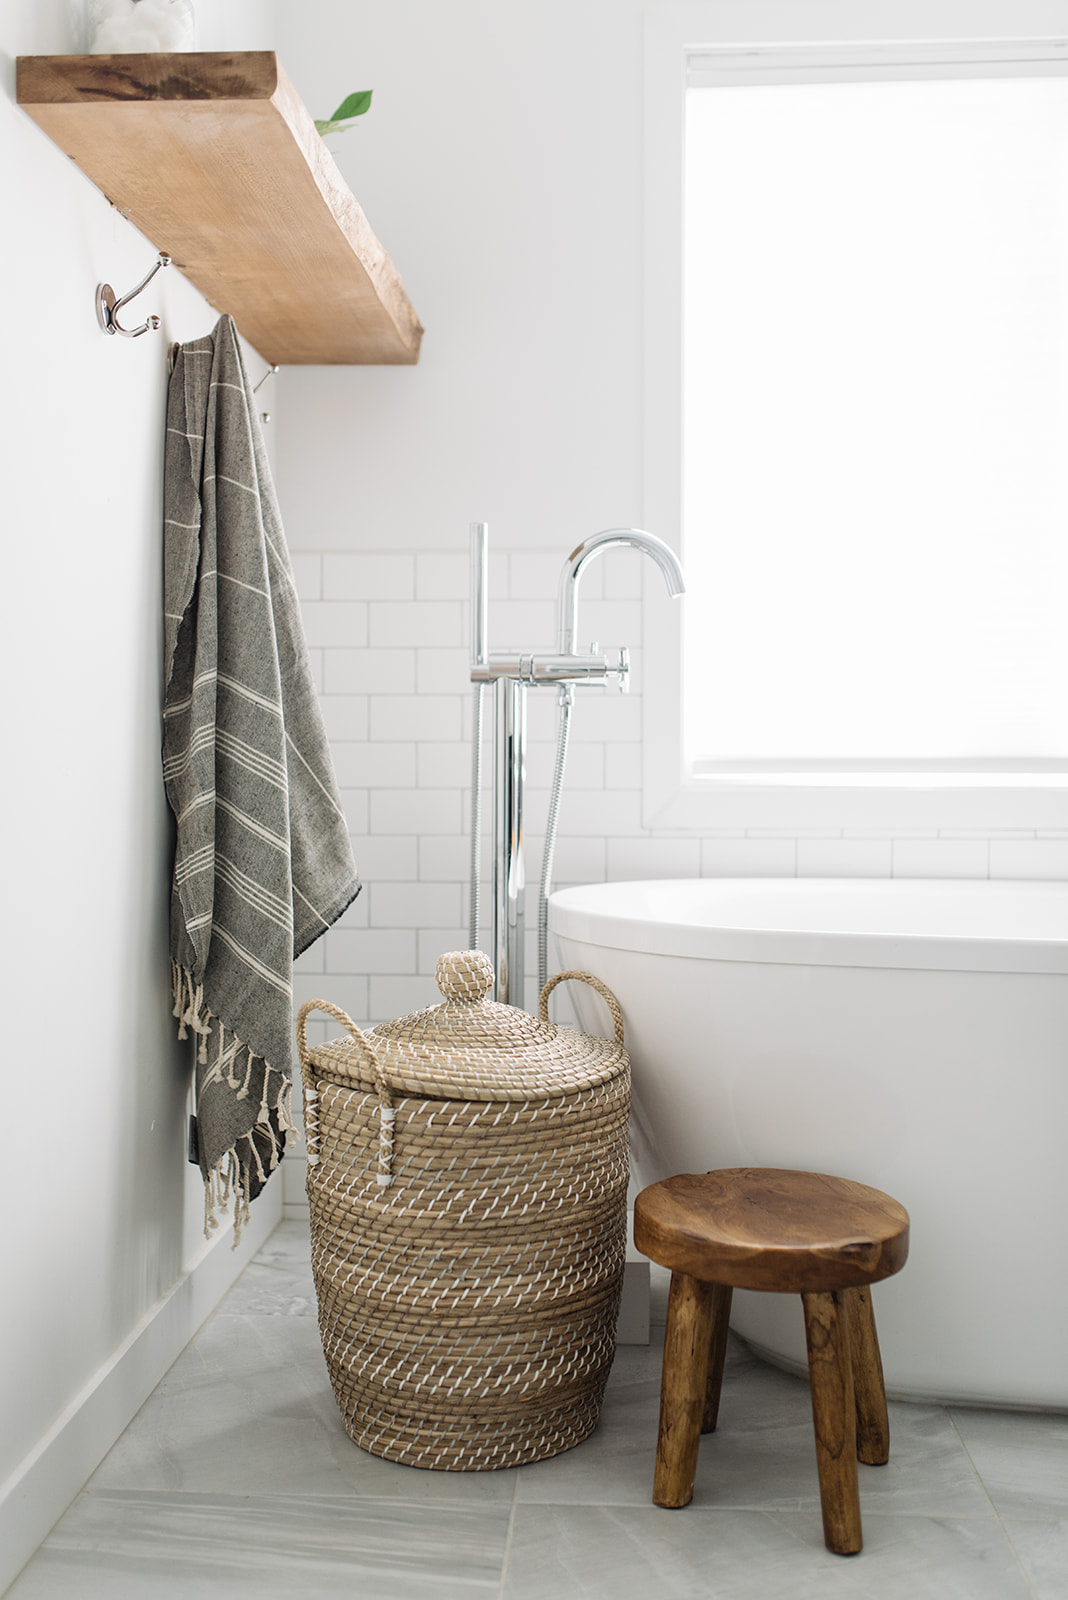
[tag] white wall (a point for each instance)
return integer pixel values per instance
(501, 166)
(102, 1214)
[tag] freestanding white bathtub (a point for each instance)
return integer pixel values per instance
(912, 1035)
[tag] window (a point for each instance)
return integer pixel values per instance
(870, 327)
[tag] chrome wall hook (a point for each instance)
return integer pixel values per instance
(108, 307)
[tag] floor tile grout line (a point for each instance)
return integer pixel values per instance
(761, 1510)
(1006, 1535)
(508, 1538)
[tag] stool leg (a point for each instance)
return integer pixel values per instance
(873, 1424)
(722, 1294)
(682, 1388)
(834, 1419)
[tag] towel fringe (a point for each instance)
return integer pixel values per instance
(241, 1203)
(256, 1157)
(242, 1093)
(231, 1176)
(190, 1010)
(283, 1107)
(228, 1178)
(265, 1110)
(178, 990)
(217, 1186)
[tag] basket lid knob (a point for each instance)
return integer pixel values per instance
(465, 975)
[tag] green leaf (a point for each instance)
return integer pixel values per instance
(354, 105)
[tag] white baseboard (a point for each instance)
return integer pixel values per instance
(41, 1488)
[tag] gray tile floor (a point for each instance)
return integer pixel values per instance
(237, 1478)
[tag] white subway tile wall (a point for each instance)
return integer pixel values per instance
(389, 638)
(942, 858)
(1043, 857)
(845, 858)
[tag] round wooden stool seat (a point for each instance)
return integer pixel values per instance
(767, 1228)
(770, 1228)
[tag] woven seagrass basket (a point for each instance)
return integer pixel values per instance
(467, 1175)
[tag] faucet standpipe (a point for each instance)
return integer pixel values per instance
(512, 676)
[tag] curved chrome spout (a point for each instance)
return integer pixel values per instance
(610, 538)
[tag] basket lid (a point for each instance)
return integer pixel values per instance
(472, 1048)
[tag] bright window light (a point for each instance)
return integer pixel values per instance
(876, 424)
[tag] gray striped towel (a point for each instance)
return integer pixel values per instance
(263, 863)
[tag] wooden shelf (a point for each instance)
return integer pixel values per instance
(215, 158)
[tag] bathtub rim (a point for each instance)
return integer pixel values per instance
(574, 914)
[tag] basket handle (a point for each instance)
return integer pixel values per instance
(387, 1115)
(595, 983)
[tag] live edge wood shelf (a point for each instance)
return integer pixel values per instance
(215, 158)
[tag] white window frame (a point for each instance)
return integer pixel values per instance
(791, 41)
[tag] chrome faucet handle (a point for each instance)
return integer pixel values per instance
(618, 669)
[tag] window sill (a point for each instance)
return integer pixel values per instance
(799, 802)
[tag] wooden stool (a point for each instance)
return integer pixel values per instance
(805, 1233)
